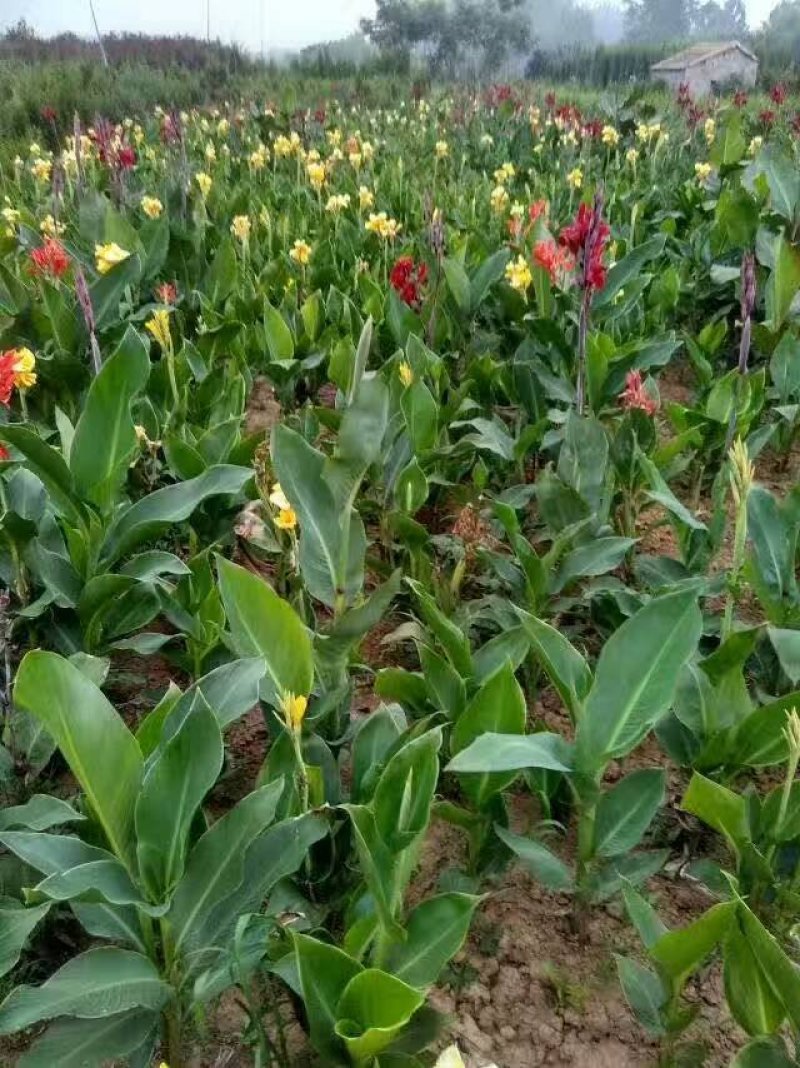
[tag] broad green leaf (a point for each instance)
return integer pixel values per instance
(786, 644)
(543, 864)
(497, 708)
(263, 624)
(626, 811)
(489, 272)
(215, 866)
(51, 853)
(783, 283)
(39, 813)
(565, 667)
(377, 865)
(628, 269)
(48, 465)
(323, 554)
(421, 415)
(84, 724)
(636, 676)
(107, 291)
(458, 284)
(324, 972)
(95, 984)
(782, 179)
(436, 930)
(375, 737)
(451, 637)
(16, 926)
(105, 881)
(510, 752)
(404, 793)
(278, 334)
(177, 780)
(678, 953)
(643, 917)
(777, 970)
(752, 1001)
(150, 516)
(372, 1011)
(764, 1053)
(772, 545)
(220, 278)
(597, 557)
(720, 808)
(644, 993)
(99, 470)
(91, 1043)
(760, 742)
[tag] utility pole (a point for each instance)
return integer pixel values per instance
(208, 21)
(99, 37)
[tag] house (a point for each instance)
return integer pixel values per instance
(705, 68)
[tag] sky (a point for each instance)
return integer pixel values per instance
(284, 23)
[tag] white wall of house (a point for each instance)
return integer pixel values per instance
(716, 70)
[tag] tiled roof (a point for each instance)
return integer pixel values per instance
(699, 53)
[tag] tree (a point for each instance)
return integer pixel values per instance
(658, 20)
(717, 22)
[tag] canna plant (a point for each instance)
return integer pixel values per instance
(612, 708)
(145, 872)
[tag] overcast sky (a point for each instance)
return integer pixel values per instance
(286, 23)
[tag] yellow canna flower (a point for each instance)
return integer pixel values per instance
(366, 198)
(108, 256)
(383, 226)
(286, 519)
(300, 252)
(505, 173)
(499, 199)
(294, 710)
(575, 178)
(610, 136)
(710, 130)
(42, 169)
(442, 150)
(316, 174)
(151, 206)
(702, 171)
(518, 274)
(240, 227)
(338, 202)
(204, 182)
(405, 373)
(278, 498)
(23, 367)
(631, 156)
(755, 145)
(158, 328)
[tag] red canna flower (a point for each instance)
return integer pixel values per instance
(4, 453)
(550, 101)
(537, 209)
(50, 259)
(586, 238)
(48, 113)
(166, 292)
(7, 374)
(407, 279)
(635, 396)
(556, 261)
(684, 97)
(778, 94)
(126, 157)
(593, 128)
(767, 117)
(740, 98)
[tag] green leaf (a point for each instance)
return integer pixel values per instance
(105, 881)
(458, 284)
(154, 513)
(377, 865)
(509, 752)
(764, 1053)
(421, 414)
(626, 811)
(84, 724)
(627, 269)
(39, 813)
(372, 1011)
(300, 471)
(176, 782)
(215, 867)
(489, 272)
(636, 676)
(99, 470)
(644, 993)
(597, 557)
(16, 926)
(786, 644)
(760, 742)
(404, 793)
(643, 917)
(220, 278)
(263, 624)
(48, 465)
(729, 145)
(91, 986)
(451, 638)
(91, 1043)
(783, 283)
(51, 853)
(436, 930)
(678, 953)
(777, 969)
(497, 708)
(324, 973)
(565, 667)
(782, 179)
(720, 808)
(771, 542)
(278, 334)
(752, 1002)
(543, 865)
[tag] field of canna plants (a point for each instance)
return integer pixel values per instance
(400, 621)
